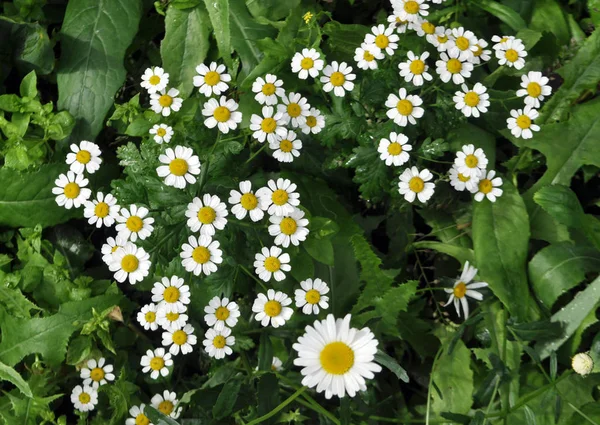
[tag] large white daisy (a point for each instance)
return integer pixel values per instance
(383, 38)
(180, 167)
(512, 54)
(268, 89)
(84, 398)
(97, 373)
(137, 416)
(287, 148)
(182, 339)
(308, 62)
(395, 150)
(71, 190)
(111, 246)
(410, 10)
(449, 67)
(339, 78)
(535, 88)
(294, 109)
(155, 79)
(470, 161)
(315, 122)
(169, 320)
(130, 262)
(521, 123)
(464, 43)
(489, 187)
(201, 255)
(414, 184)
(367, 55)
(222, 114)
(85, 157)
(269, 126)
(472, 102)
(161, 133)
(156, 362)
(211, 79)
(206, 215)
(415, 69)
(166, 403)
(460, 182)
(147, 317)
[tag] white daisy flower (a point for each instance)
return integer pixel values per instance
(470, 161)
(211, 79)
(172, 293)
(472, 102)
(272, 308)
(97, 373)
(166, 403)
(415, 69)
(395, 150)
(206, 215)
(170, 320)
(384, 38)
(201, 255)
(137, 416)
(133, 223)
(312, 296)
(111, 246)
(535, 88)
(221, 312)
(307, 63)
(268, 127)
(270, 263)
(336, 358)
(85, 157)
(449, 67)
(463, 289)
(287, 148)
(180, 340)
(147, 317)
(521, 123)
(268, 89)
(398, 23)
(289, 228)
(102, 211)
(500, 40)
(156, 362)
(367, 55)
(460, 182)
(276, 364)
(279, 197)
(464, 44)
(481, 54)
(162, 133)
(180, 167)
(423, 27)
(410, 10)
(294, 108)
(84, 398)
(441, 39)
(246, 202)
(489, 187)
(218, 343)
(222, 114)
(338, 77)
(71, 190)
(164, 102)
(155, 79)
(512, 53)
(414, 184)
(315, 122)
(404, 108)
(130, 262)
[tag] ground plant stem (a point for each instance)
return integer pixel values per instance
(278, 408)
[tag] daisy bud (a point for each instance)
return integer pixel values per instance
(582, 364)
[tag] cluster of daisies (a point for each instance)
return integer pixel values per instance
(94, 374)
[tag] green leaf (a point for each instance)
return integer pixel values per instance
(33, 49)
(500, 242)
(119, 397)
(548, 16)
(28, 87)
(13, 300)
(389, 362)
(158, 418)
(388, 306)
(343, 39)
(320, 249)
(537, 331)
(218, 11)
(79, 349)
(227, 398)
(591, 412)
(594, 8)
(267, 394)
(460, 253)
(90, 71)
(502, 12)
(7, 373)
(265, 352)
(273, 10)
(185, 46)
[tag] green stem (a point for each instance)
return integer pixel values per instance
(257, 152)
(249, 273)
(278, 408)
(437, 356)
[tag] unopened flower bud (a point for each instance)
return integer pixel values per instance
(582, 363)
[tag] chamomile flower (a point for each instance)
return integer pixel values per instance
(71, 190)
(314, 123)
(449, 67)
(307, 63)
(102, 211)
(162, 133)
(289, 228)
(272, 308)
(336, 358)
(401, 25)
(500, 40)
(182, 339)
(222, 114)
(512, 53)
(312, 296)
(464, 44)
(156, 362)
(171, 293)
(535, 88)
(294, 109)
(460, 182)
(470, 161)
(218, 343)
(287, 148)
(268, 89)
(414, 184)
(201, 255)
(423, 27)
(111, 246)
(169, 320)
(481, 54)
(211, 79)
(441, 39)
(489, 187)
(521, 123)
(367, 55)
(164, 102)
(137, 416)
(395, 150)
(463, 288)
(166, 403)
(97, 373)
(339, 78)
(270, 263)
(279, 197)
(180, 167)
(410, 10)
(130, 262)
(84, 398)
(206, 215)
(147, 318)
(384, 38)
(85, 157)
(155, 79)
(267, 127)
(221, 312)
(133, 223)
(415, 69)
(246, 202)
(404, 108)
(472, 102)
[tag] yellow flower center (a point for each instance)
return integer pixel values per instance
(312, 296)
(141, 419)
(97, 374)
(479, 51)
(172, 317)
(272, 264)
(400, 21)
(417, 66)
(416, 184)
(130, 263)
(221, 114)
(504, 39)
(157, 363)
(154, 80)
(294, 110)
(219, 341)
(442, 39)
(166, 407)
(101, 209)
(382, 41)
(222, 313)
(272, 308)
(71, 190)
(212, 78)
(206, 215)
(201, 255)
(337, 79)
(485, 186)
(428, 27)
(279, 197)
(411, 7)
(286, 145)
(179, 337)
(161, 132)
(165, 100)
(463, 178)
(534, 89)
(307, 63)
(471, 161)
(460, 290)
(311, 121)
(83, 156)
(337, 358)
(114, 248)
(268, 125)
(178, 167)
(454, 66)
(288, 226)
(368, 56)
(249, 201)
(268, 89)
(394, 148)
(524, 122)
(462, 43)
(150, 317)
(511, 55)
(84, 398)
(171, 294)
(404, 107)
(472, 99)
(134, 224)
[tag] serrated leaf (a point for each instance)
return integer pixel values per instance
(119, 397)
(13, 300)
(7, 373)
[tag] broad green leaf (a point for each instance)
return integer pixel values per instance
(28, 87)
(320, 249)
(218, 11)
(13, 300)
(94, 37)
(594, 8)
(444, 227)
(158, 418)
(343, 39)
(79, 349)
(548, 16)
(265, 352)
(273, 10)
(389, 362)
(500, 242)
(227, 398)
(267, 394)
(461, 254)
(33, 49)
(591, 412)
(502, 12)
(7, 373)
